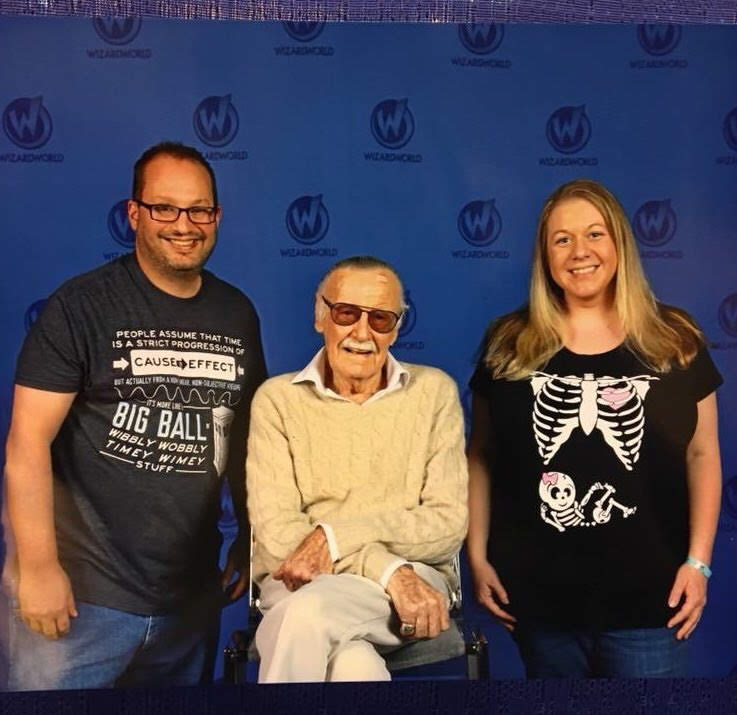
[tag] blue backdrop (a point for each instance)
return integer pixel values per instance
(431, 146)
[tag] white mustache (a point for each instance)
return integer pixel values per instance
(367, 345)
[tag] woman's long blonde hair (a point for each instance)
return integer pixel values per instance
(522, 342)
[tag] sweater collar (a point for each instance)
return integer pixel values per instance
(397, 377)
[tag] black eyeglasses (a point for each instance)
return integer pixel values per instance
(382, 321)
(169, 214)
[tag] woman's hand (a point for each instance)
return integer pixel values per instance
(690, 585)
(490, 592)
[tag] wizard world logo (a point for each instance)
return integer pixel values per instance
(117, 30)
(479, 222)
(481, 38)
(303, 31)
(307, 219)
(658, 39)
(654, 223)
(119, 226)
(216, 121)
(727, 315)
(729, 129)
(568, 129)
(392, 123)
(27, 123)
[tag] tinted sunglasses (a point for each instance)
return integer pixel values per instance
(382, 321)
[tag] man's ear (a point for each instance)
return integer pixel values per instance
(319, 315)
(133, 209)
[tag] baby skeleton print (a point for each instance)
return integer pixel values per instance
(560, 508)
(612, 405)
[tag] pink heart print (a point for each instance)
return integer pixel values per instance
(615, 396)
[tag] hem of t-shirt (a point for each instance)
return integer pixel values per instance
(609, 624)
(706, 391)
(108, 595)
(45, 385)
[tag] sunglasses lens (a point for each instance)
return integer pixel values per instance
(345, 314)
(382, 321)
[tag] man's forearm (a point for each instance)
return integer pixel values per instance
(431, 534)
(30, 503)
(37, 417)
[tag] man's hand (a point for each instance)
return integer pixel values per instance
(690, 584)
(238, 561)
(46, 600)
(308, 560)
(490, 592)
(417, 603)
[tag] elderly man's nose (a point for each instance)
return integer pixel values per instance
(361, 329)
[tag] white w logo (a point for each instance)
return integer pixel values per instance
(25, 124)
(480, 33)
(115, 26)
(567, 125)
(477, 222)
(117, 30)
(658, 39)
(655, 222)
(657, 35)
(213, 122)
(389, 124)
(302, 220)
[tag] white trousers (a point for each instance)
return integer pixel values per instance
(327, 629)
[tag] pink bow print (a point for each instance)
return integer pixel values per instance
(549, 477)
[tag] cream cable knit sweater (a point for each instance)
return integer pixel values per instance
(389, 477)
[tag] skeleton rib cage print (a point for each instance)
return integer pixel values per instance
(612, 405)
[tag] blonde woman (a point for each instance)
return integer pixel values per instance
(593, 459)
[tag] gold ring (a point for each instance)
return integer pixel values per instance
(407, 629)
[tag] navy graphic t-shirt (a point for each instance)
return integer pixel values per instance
(589, 505)
(163, 388)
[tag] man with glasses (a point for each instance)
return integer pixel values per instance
(356, 491)
(131, 404)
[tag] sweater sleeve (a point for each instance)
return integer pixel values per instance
(275, 507)
(371, 561)
(432, 530)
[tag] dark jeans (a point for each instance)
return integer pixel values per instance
(623, 653)
(106, 648)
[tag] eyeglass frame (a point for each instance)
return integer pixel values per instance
(215, 211)
(363, 310)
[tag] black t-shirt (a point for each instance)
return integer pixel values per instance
(589, 519)
(163, 388)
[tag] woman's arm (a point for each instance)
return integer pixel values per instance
(489, 589)
(704, 478)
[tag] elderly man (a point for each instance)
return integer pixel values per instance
(356, 491)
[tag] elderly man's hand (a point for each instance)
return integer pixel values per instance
(308, 560)
(418, 604)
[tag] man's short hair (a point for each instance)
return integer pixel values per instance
(359, 263)
(178, 151)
